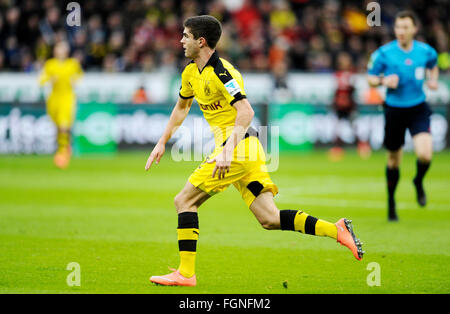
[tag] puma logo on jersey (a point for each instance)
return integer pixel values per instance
(224, 73)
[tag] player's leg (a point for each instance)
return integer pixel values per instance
(54, 112)
(66, 115)
(271, 218)
(257, 191)
(394, 138)
(200, 186)
(63, 153)
(63, 139)
(187, 201)
(63, 114)
(190, 198)
(423, 146)
(394, 159)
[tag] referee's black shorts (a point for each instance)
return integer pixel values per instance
(397, 120)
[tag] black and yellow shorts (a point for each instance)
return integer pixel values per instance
(61, 107)
(248, 172)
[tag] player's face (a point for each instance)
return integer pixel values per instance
(404, 30)
(191, 46)
(61, 51)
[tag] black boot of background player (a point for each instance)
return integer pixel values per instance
(422, 168)
(420, 193)
(392, 212)
(392, 177)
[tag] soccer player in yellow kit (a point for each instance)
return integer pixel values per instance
(62, 72)
(238, 157)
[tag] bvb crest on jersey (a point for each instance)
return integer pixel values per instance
(207, 90)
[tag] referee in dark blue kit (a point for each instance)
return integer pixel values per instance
(402, 66)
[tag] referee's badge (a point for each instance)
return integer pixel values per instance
(420, 73)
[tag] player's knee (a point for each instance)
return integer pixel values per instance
(424, 157)
(183, 203)
(393, 160)
(270, 223)
(178, 202)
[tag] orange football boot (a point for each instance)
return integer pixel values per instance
(174, 279)
(346, 237)
(61, 160)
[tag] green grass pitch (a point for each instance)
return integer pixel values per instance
(118, 223)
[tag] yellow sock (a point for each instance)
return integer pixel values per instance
(325, 228)
(300, 221)
(187, 244)
(63, 141)
(187, 263)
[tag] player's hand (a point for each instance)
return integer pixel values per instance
(391, 81)
(223, 163)
(155, 156)
(433, 84)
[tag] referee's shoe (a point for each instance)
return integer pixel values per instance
(420, 192)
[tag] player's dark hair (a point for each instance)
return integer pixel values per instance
(205, 26)
(408, 14)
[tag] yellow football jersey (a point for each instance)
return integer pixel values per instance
(61, 73)
(61, 102)
(216, 88)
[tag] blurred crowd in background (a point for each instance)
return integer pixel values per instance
(260, 36)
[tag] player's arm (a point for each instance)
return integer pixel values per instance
(376, 68)
(432, 78)
(44, 76)
(374, 80)
(432, 71)
(78, 73)
(390, 81)
(244, 117)
(179, 113)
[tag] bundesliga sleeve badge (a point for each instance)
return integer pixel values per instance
(232, 87)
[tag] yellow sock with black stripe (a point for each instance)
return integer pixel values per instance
(63, 141)
(297, 220)
(187, 242)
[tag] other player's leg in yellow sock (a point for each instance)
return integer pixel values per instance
(188, 233)
(63, 153)
(297, 220)
(63, 140)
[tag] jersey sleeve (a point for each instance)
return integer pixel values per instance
(376, 64)
(186, 90)
(78, 70)
(44, 76)
(432, 58)
(230, 83)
